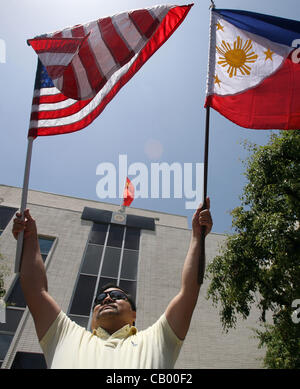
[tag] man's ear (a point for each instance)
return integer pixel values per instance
(133, 315)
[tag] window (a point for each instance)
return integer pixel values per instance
(132, 239)
(115, 236)
(6, 213)
(83, 297)
(98, 233)
(111, 256)
(111, 261)
(45, 246)
(92, 260)
(15, 305)
(25, 360)
(129, 264)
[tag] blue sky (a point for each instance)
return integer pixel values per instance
(162, 106)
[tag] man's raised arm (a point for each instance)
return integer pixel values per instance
(33, 276)
(180, 310)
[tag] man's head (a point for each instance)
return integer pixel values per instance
(113, 308)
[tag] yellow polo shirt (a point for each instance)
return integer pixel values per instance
(66, 345)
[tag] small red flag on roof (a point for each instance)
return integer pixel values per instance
(128, 193)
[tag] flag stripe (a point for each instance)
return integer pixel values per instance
(50, 91)
(113, 41)
(55, 46)
(70, 81)
(60, 58)
(49, 99)
(58, 34)
(129, 32)
(56, 71)
(59, 112)
(52, 102)
(144, 22)
(90, 65)
(105, 60)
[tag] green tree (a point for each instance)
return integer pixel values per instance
(260, 262)
(2, 290)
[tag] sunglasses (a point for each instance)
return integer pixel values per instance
(113, 294)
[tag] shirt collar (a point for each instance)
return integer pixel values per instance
(122, 333)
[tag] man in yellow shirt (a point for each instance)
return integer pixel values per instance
(114, 341)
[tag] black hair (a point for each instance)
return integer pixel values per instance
(110, 285)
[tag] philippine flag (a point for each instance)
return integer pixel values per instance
(254, 69)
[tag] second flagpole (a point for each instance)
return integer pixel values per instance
(211, 59)
(201, 270)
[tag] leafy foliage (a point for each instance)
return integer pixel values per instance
(260, 263)
(2, 290)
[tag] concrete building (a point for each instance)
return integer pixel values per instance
(84, 246)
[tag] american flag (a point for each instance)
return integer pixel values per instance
(90, 63)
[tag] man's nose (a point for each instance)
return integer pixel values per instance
(107, 299)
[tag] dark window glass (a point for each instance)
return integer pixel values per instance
(129, 286)
(13, 317)
(132, 238)
(129, 264)
(105, 280)
(98, 233)
(25, 360)
(44, 257)
(16, 296)
(5, 341)
(6, 213)
(92, 259)
(115, 236)
(83, 298)
(45, 245)
(16, 299)
(111, 262)
(110, 268)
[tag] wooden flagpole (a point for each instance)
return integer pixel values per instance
(201, 269)
(23, 203)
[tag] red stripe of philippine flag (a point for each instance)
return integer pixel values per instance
(254, 69)
(82, 68)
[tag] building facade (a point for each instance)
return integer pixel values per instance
(86, 244)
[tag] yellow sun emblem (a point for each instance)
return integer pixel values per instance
(237, 57)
